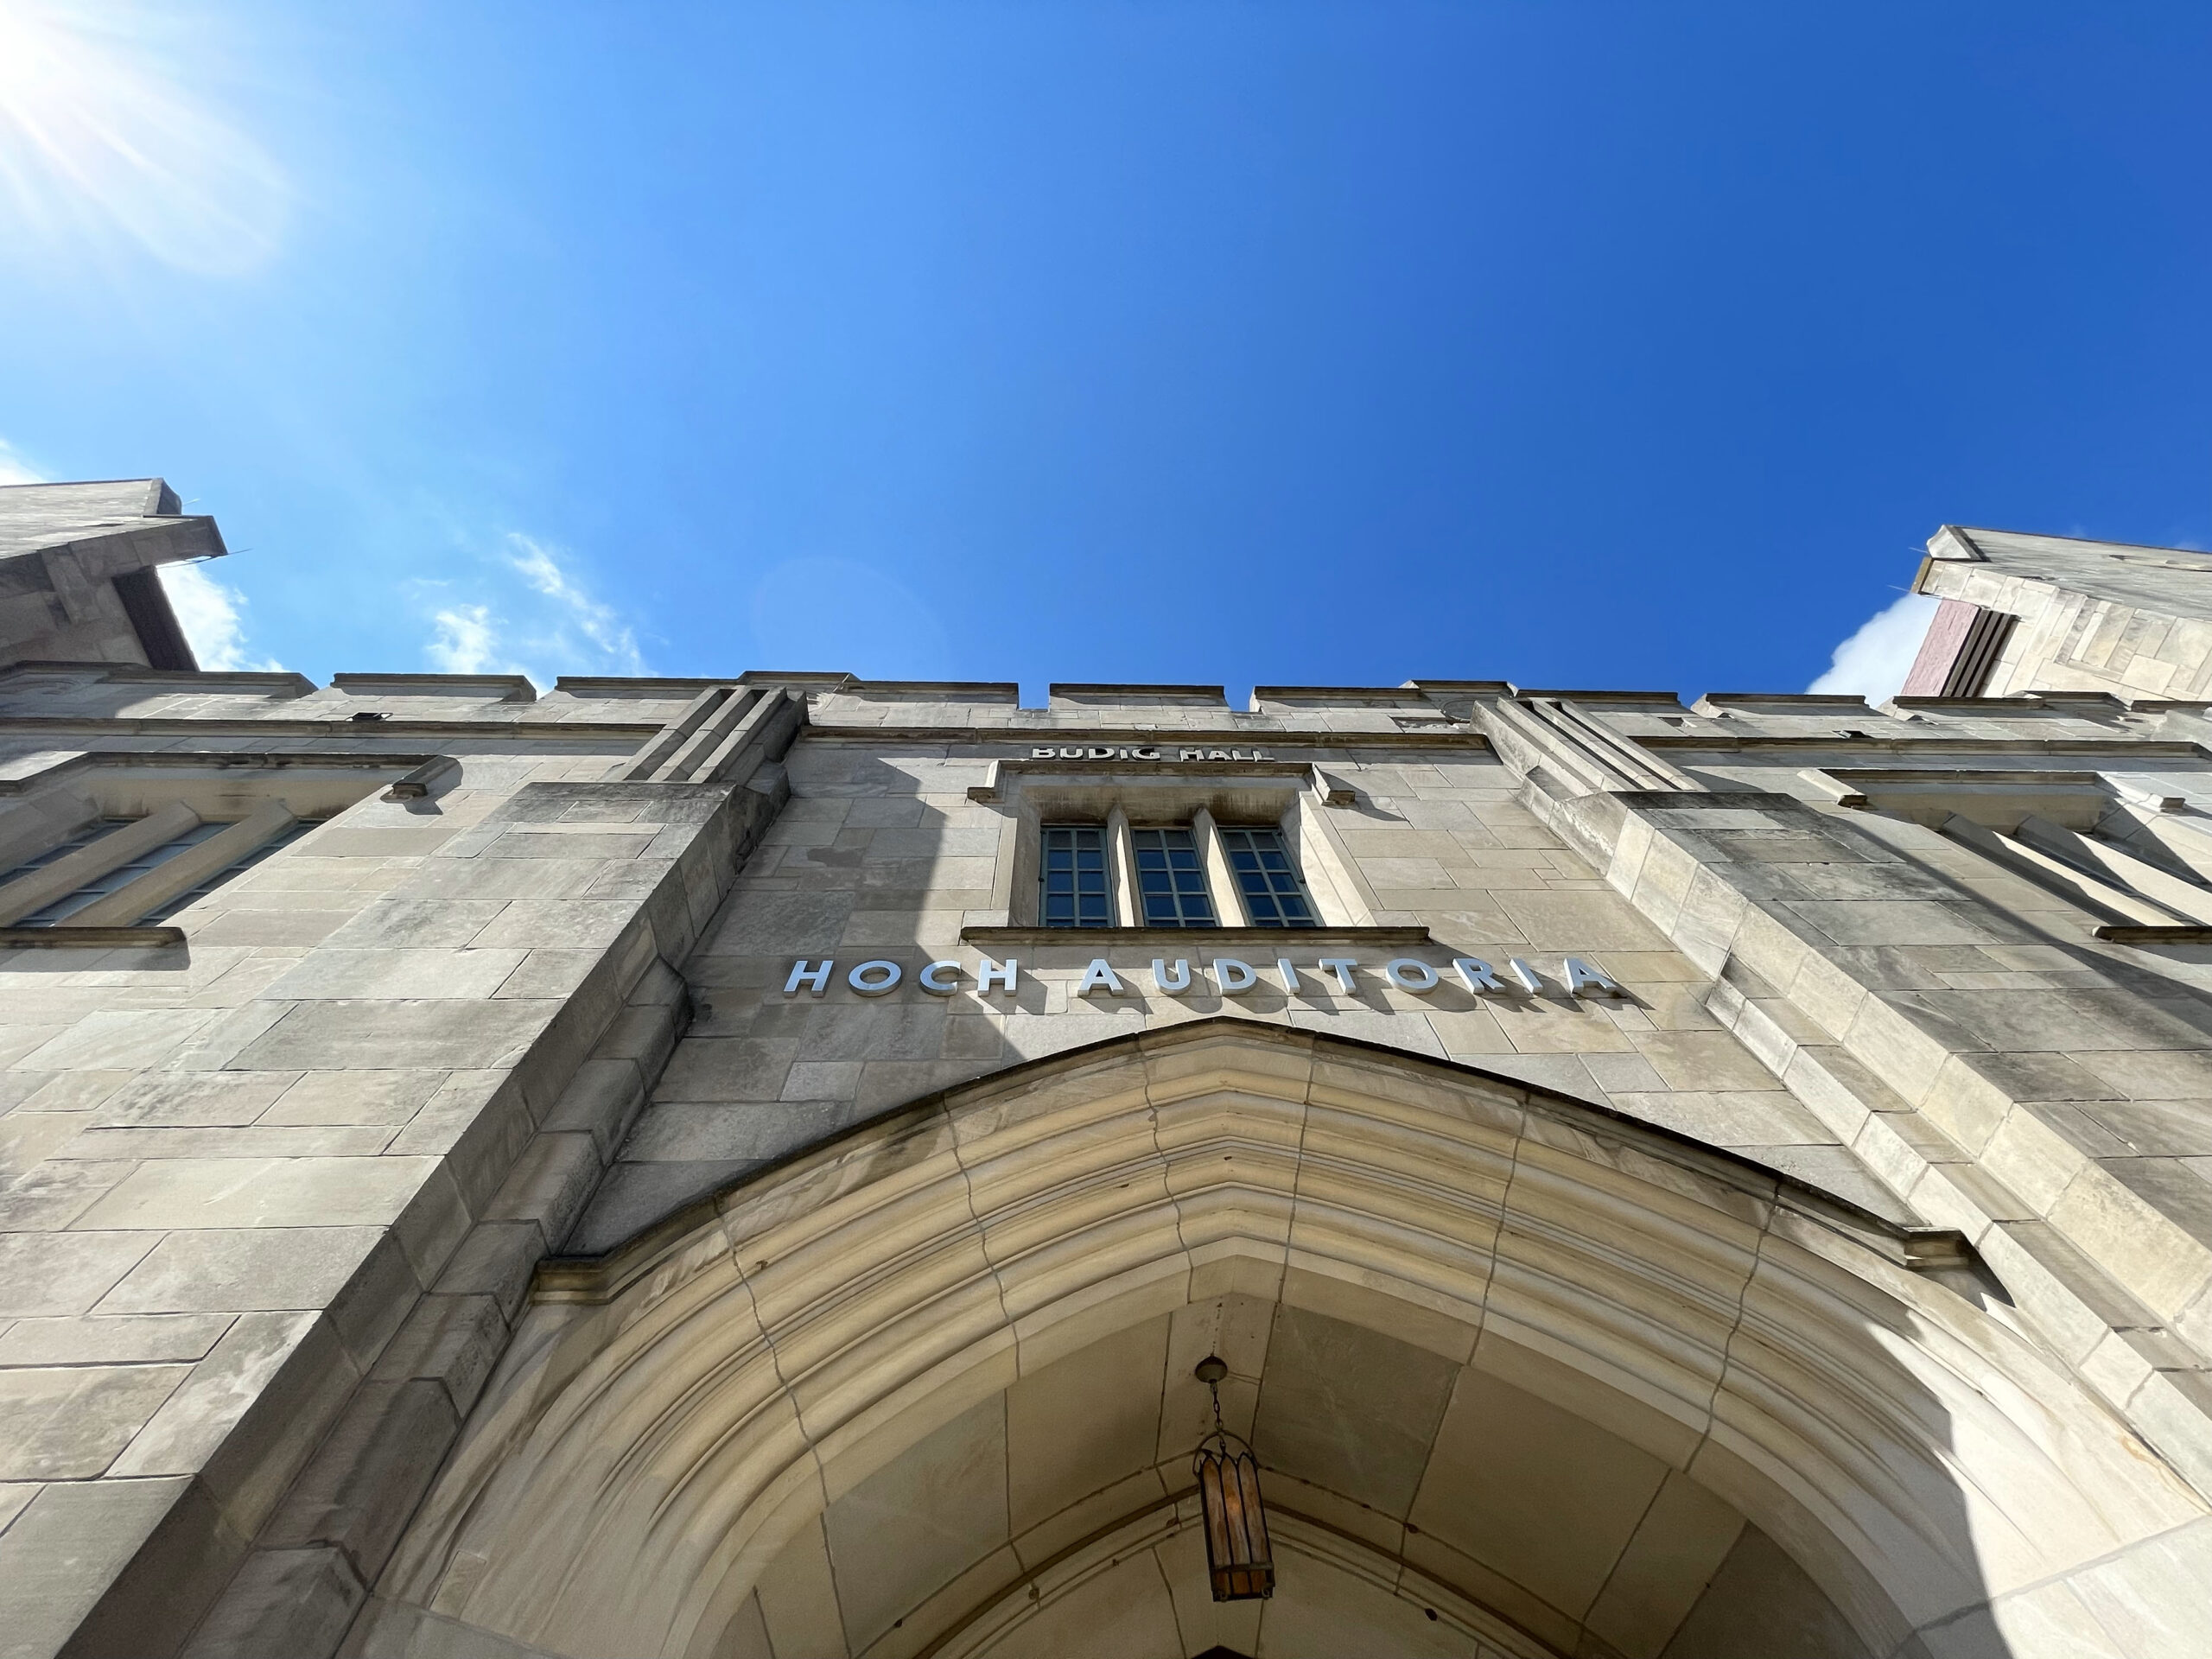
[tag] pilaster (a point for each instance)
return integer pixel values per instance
(1956, 1048)
(345, 1181)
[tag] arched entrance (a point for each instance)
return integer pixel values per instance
(1528, 1379)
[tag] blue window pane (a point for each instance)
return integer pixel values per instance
(1274, 896)
(274, 844)
(1072, 879)
(1172, 878)
(59, 913)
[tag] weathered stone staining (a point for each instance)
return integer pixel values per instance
(747, 1167)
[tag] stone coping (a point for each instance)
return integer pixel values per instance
(198, 679)
(1359, 695)
(1204, 695)
(1801, 702)
(1670, 699)
(611, 685)
(505, 688)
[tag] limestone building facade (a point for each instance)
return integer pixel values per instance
(749, 1168)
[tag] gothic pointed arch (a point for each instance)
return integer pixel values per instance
(1527, 1378)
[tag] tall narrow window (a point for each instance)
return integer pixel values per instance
(1274, 896)
(58, 912)
(62, 909)
(92, 832)
(1172, 878)
(1074, 877)
(275, 843)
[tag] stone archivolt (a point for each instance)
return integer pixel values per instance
(1528, 1379)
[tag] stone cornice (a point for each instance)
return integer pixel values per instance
(1456, 737)
(164, 726)
(1689, 742)
(89, 938)
(16, 779)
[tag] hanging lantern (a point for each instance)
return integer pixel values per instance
(1241, 1565)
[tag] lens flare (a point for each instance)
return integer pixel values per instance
(101, 142)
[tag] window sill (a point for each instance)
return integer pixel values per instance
(1192, 935)
(87, 938)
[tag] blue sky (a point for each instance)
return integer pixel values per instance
(1583, 345)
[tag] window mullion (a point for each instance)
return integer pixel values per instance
(1221, 881)
(1122, 866)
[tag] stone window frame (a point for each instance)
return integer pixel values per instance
(1118, 793)
(50, 797)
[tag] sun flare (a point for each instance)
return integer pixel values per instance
(102, 141)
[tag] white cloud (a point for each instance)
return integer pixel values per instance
(1874, 661)
(14, 470)
(615, 644)
(466, 642)
(527, 611)
(211, 616)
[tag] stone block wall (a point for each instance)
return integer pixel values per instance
(2044, 1098)
(277, 1192)
(882, 853)
(274, 1198)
